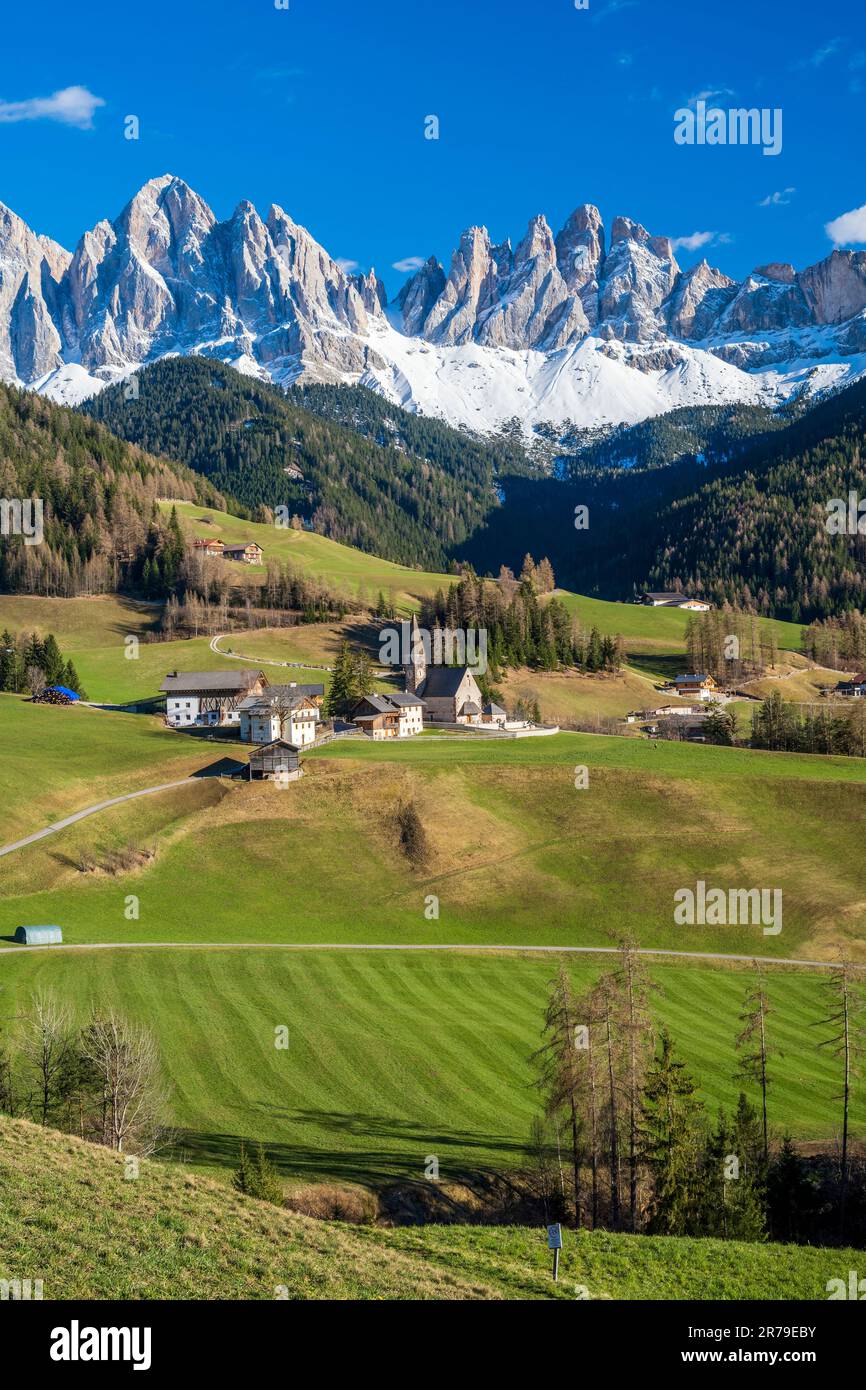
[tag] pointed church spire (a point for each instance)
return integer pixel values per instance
(416, 670)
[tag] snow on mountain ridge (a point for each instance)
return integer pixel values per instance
(559, 328)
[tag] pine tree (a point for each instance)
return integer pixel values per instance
(363, 680)
(635, 986)
(747, 1210)
(672, 1143)
(791, 1197)
(561, 1061)
(72, 680)
(52, 662)
(342, 692)
(846, 1041)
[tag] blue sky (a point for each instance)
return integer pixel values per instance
(320, 107)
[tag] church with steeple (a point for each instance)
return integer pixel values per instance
(451, 694)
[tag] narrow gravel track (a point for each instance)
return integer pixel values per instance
(91, 811)
(360, 946)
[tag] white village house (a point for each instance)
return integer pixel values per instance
(395, 715)
(209, 699)
(290, 713)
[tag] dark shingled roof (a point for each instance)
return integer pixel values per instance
(378, 703)
(443, 681)
(401, 697)
(190, 682)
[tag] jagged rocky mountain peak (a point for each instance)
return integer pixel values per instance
(574, 325)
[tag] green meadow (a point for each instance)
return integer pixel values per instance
(394, 1056)
(515, 853)
(346, 571)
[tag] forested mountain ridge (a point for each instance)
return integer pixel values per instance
(411, 502)
(757, 536)
(101, 523)
(708, 433)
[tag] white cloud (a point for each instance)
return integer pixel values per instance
(820, 56)
(709, 94)
(696, 240)
(775, 200)
(348, 267)
(71, 106)
(409, 263)
(611, 8)
(848, 229)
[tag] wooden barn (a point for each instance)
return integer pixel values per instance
(278, 761)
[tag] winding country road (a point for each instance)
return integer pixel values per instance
(91, 811)
(261, 660)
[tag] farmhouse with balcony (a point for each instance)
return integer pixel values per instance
(377, 717)
(395, 715)
(209, 699)
(697, 686)
(209, 546)
(249, 553)
(280, 712)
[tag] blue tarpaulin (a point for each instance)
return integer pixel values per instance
(62, 690)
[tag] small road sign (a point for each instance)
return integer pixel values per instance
(554, 1243)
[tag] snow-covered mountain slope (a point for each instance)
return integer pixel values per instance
(561, 328)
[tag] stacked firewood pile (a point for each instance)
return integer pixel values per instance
(52, 697)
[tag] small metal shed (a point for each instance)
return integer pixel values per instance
(39, 936)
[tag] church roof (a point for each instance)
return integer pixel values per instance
(443, 681)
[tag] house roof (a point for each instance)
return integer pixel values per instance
(700, 676)
(404, 699)
(443, 681)
(190, 682)
(282, 696)
(275, 743)
(378, 703)
(243, 545)
(470, 707)
(491, 708)
(311, 690)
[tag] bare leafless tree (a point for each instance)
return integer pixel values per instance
(125, 1059)
(45, 1045)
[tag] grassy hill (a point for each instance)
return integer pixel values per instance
(517, 855)
(394, 1056)
(68, 1212)
(58, 760)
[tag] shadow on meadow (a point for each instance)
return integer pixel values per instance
(387, 1148)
